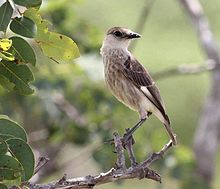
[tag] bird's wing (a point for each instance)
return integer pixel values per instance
(143, 81)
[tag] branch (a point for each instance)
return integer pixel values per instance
(40, 163)
(204, 34)
(200, 22)
(207, 133)
(119, 172)
(186, 69)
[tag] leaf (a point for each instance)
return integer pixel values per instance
(22, 151)
(29, 3)
(59, 47)
(23, 51)
(10, 168)
(11, 183)
(6, 84)
(54, 45)
(20, 75)
(3, 146)
(6, 56)
(11, 128)
(5, 44)
(23, 26)
(3, 116)
(42, 24)
(5, 15)
(6, 136)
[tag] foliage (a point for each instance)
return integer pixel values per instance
(17, 160)
(16, 55)
(16, 157)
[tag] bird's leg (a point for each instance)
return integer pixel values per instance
(130, 132)
(129, 148)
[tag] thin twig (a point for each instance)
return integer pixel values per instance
(186, 69)
(130, 150)
(41, 162)
(139, 171)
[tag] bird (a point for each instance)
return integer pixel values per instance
(130, 82)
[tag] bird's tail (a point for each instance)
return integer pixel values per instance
(171, 134)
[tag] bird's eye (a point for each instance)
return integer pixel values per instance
(118, 33)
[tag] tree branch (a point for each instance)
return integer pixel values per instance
(200, 23)
(119, 172)
(186, 69)
(207, 132)
(40, 163)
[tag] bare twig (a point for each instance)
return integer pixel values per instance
(200, 22)
(120, 172)
(186, 69)
(40, 163)
(130, 150)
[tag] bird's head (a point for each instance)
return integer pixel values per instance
(119, 37)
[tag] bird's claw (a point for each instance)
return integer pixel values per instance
(127, 139)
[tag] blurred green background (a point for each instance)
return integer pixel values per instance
(72, 113)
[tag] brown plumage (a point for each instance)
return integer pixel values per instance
(129, 81)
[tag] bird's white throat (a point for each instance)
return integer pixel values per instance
(111, 43)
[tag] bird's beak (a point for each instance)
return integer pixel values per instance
(133, 35)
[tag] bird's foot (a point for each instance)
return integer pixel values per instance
(128, 139)
(127, 142)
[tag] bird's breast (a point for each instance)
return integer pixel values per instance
(120, 86)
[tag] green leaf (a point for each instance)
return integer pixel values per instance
(3, 146)
(5, 15)
(20, 75)
(54, 45)
(59, 47)
(11, 128)
(28, 3)
(42, 24)
(6, 136)
(22, 151)
(6, 56)
(23, 51)
(11, 183)
(3, 116)
(10, 168)
(23, 26)
(6, 84)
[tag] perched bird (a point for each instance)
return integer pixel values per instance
(129, 81)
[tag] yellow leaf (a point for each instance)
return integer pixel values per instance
(7, 56)
(54, 45)
(5, 44)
